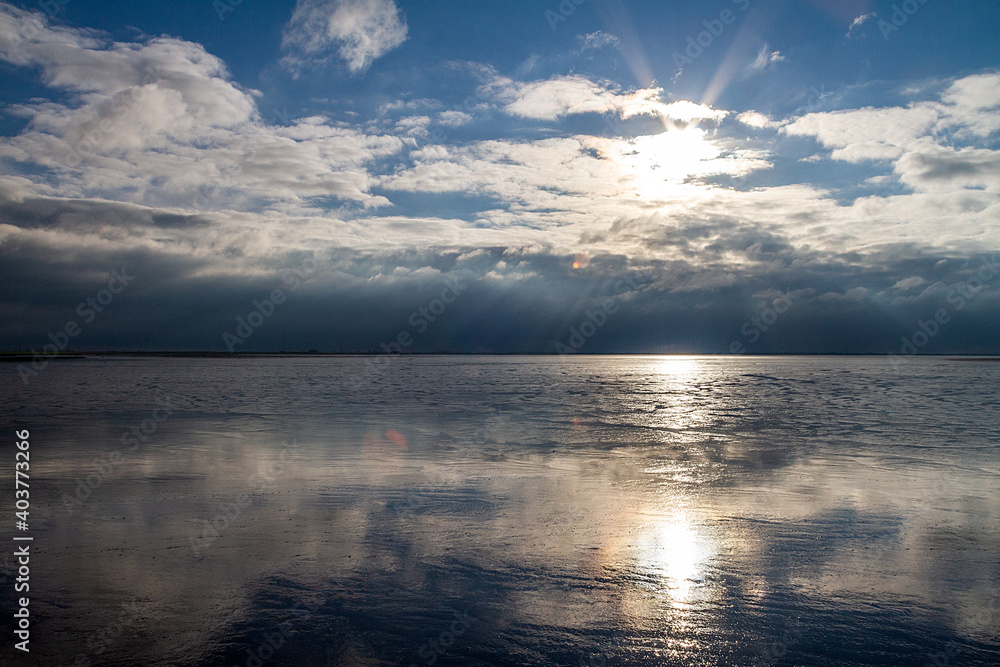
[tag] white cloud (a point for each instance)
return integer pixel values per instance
(981, 91)
(151, 147)
(690, 111)
(419, 104)
(575, 183)
(165, 81)
(968, 109)
(765, 59)
(858, 22)
(558, 97)
(973, 104)
(413, 126)
(756, 119)
(161, 123)
(914, 138)
(360, 30)
(866, 134)
(599, 39)
(454, 118)
(553, 98)
(909, 283)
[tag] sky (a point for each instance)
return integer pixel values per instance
(584, 176)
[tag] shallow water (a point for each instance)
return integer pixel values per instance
(510, 511)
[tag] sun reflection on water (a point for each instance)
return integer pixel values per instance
(680, 405)
(673, 550)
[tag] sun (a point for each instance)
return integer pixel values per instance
(658, 165)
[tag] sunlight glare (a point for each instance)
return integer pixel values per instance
(659, 164)
(673, 550)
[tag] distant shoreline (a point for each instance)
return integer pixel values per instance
(66, 356)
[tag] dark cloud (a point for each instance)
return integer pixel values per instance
(973, 168)
(174, 221)
(358, 301)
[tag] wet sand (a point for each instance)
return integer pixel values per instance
(512, 511)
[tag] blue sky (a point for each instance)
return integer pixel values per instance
(693, 163)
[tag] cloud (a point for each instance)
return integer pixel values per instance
(934, 168)
(359, 30)
(561, 96)
(557, 190)
(194, 142)
(148, 154)
(454, 118)
(765, 59)
(710, 263)
(757, 119)
(981, 91)
(967, 110)
(687, 112)
(413, 126)
(419, 104)
(160, 122)
(168, 83)
(972, 106)
(555, 98)
(866, 134)
(858, 22)
(920, 139)
(909, 283)
(597, 40)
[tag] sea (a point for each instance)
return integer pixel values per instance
(502, 510)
